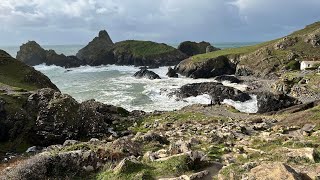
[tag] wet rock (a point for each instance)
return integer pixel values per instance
(273, 171)
(231, 79)
(144, 73)
(172, 73)
(217, 91)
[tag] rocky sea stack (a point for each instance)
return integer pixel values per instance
(32, 54)
(98, 51)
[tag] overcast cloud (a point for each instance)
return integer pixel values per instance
(171, 21)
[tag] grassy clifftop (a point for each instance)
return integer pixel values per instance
(300, 45)
(14, 73)
(143, 48)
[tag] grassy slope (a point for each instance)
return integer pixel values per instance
(14, 74)
(143, 48)
(300, 46)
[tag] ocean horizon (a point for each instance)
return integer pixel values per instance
(69, 50)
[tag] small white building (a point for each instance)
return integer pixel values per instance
(308, 64)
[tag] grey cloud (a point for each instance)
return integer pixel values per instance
(77, 21)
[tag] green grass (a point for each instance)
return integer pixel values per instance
(143, 48)
(15, 73)
(173, 167)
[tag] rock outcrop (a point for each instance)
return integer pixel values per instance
(32, 54)
(268, 102)
(274, 171)
(146, 53)
(314, 38)
(172, 73)
(144, 73)
(217, 91)
(98, 51)
(194, 48)
(207, 69)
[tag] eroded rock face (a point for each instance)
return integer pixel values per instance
(314, 38)
(207, 69)
(285, 43)
(98, 51)
(217, 91)
(144, 73)
(60, 117)
(268, 102)
(32, 54)
(194, 48)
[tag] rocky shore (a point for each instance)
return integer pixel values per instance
(45, 134)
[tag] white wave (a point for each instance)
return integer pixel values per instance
(115, 85)
(250, 106)
(44, 67)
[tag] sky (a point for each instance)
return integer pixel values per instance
(56, 22)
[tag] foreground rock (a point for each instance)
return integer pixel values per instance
(32, 54)
(49, 117)
(207, 69)
(274, 171)
(144, 73)
(194, 48)
(98, 51)
(217, 91)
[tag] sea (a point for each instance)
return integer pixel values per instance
(116, 85)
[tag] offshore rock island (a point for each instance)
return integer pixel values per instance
(47, 134)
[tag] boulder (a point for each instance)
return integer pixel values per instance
(268, 102)
(243, 71)
(194, 48)
(274, 171)
(206, 69)
(72, 164)
(60, 117)
(172, 73)
(33, 54)
(217, 91)
(231, 79)
(98, 51)
(285, 43)
(144, 73)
